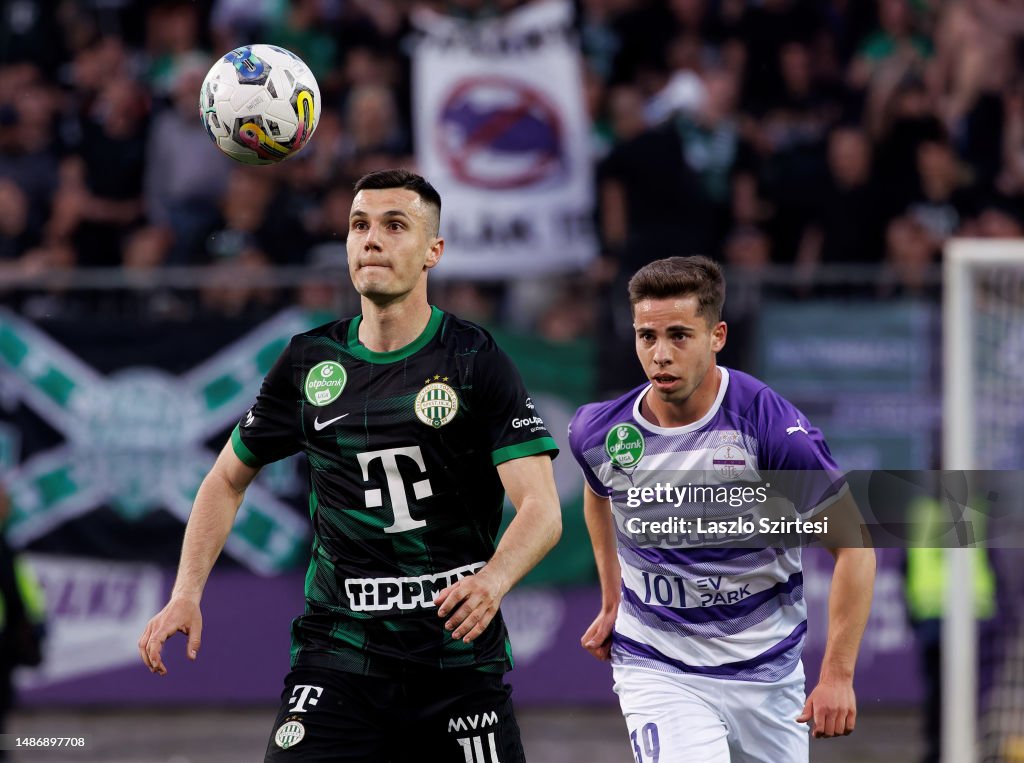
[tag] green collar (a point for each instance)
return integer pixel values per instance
(364, 353)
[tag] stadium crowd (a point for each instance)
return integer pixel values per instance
(771, 132)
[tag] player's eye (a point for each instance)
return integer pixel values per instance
(395, 226)
(358, 225)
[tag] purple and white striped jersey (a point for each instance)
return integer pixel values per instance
(725, 612)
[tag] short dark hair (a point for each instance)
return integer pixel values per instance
(398, 178)
(682, 276)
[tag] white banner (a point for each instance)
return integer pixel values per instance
(95, 612)
(503, 134)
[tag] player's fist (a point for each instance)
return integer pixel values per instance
(597, 639)
(832, 706)
(180, 615)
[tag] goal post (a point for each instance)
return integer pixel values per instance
(983, 309)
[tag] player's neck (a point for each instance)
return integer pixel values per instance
(666, 414)
(389, 327)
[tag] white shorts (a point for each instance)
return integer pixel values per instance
(676, 718)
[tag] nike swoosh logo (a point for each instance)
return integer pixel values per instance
(318, 425)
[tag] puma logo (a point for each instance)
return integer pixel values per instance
(798, 428)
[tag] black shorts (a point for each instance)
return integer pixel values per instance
(452, 715)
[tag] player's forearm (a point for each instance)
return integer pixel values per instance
(849, 605)
(533, 532)
(601, 528)
(209, 525)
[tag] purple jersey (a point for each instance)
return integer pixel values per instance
(722, 611)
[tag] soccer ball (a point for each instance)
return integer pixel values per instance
(260, 104)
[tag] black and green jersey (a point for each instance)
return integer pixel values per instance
(404, 495)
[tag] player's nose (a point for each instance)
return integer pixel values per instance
(661, 353)
(372, 240)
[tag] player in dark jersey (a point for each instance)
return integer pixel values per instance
(415, 424)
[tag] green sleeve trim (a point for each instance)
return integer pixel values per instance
(245, 455)
(523, 449)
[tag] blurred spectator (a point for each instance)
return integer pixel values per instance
(712, 142)
(234, 23)
(848, 225)
(599, 40)
(325, 153)
(765, 28)
(896, 45)
(328, 226)
(100, 192)
(748, 254)
(301, 29)
(185, 173)
(652, 205)
(1001, 217)
(974, 55)
(15, 235)
(238, 287)
(51, 266)
(944, 198)
(908, 122)
(244, 220)
(94, 65)
(29, 32)
(28, 145)
(319, 293)
(567, 317)
(365, 65)
(653, 202)
(172, 42)
(626, 112)
(146, 248)
(1011, 177)
(973, 65)
(373, 135)
(747, 248)
(466, 298)
(790, 133)
(911, 255)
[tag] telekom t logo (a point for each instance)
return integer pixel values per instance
(396, 486)
(304, 691)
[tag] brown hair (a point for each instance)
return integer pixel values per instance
(680, 277)
(410, 181)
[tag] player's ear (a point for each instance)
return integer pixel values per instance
(718, 334)
(434, 253)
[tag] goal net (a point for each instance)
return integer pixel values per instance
(983, 429)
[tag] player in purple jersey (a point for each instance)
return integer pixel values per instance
(705, 642)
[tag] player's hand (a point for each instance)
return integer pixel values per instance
(472, 603)
(597, 639)
(180, 615)
(832, 706)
